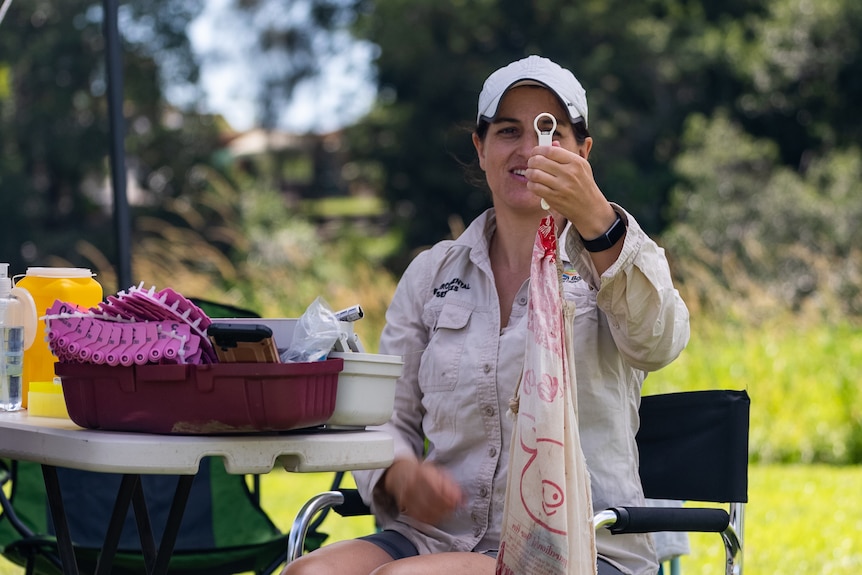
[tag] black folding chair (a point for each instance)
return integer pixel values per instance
(693, 447)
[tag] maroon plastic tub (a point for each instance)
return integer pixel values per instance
(201, 399)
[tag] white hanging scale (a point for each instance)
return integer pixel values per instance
(546, 138)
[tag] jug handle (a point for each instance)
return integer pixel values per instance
(30, 314)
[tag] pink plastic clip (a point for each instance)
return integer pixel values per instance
(173, 336)
(111, 337)
(93, 340)
(65, 332)
(159, 343)
(191, 348)
(136, 343)
(124, 337)
(85, 329)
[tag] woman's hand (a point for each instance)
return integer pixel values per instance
(564, 178)
(422, 490)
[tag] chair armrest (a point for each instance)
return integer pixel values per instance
(652, 519)
(353, 505)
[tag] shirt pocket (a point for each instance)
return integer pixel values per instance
(441, 363)
(583, 297)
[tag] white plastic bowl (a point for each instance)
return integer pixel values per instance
(366, 389)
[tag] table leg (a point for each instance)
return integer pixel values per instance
(145, 530)
(172, 528)
(61, 526)
(131, 490)
(115, 526)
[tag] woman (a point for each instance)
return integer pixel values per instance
(458, 320)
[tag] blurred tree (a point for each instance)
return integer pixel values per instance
(53, 120)
(767, 205)
(291, 40)
(789, 71)
(751, 235)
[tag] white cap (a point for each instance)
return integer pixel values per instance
(533, 70)
(63, 273)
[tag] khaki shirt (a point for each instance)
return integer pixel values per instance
(461, 369)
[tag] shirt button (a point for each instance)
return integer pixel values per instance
(522, 300)
(489, 411)
(487, 368)
(483, 492)
(477, 531)
(492, 452)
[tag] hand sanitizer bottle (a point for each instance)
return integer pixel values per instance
(17, 331)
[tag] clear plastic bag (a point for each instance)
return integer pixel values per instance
(316, 332)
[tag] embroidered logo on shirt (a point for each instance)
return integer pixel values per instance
(451, 285)
(569, 274)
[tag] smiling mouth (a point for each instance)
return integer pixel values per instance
(519, 172)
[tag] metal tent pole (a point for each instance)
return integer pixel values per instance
(122, 219)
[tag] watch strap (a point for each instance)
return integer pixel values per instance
(608, 239)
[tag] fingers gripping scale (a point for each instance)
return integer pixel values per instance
(546, 138)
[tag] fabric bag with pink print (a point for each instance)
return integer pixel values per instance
(547, 526)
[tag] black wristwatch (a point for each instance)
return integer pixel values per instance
(608, 239)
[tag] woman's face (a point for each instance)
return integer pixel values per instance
(510, 139)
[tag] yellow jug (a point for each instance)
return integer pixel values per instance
(46, 285)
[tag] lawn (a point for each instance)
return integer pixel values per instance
(800, 519)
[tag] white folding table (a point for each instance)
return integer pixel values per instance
(61, 443)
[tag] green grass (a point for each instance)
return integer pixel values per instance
(344, 207)
(800, 519)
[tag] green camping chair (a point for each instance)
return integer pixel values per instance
(224, 529)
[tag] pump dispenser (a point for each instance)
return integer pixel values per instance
(17, 332)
